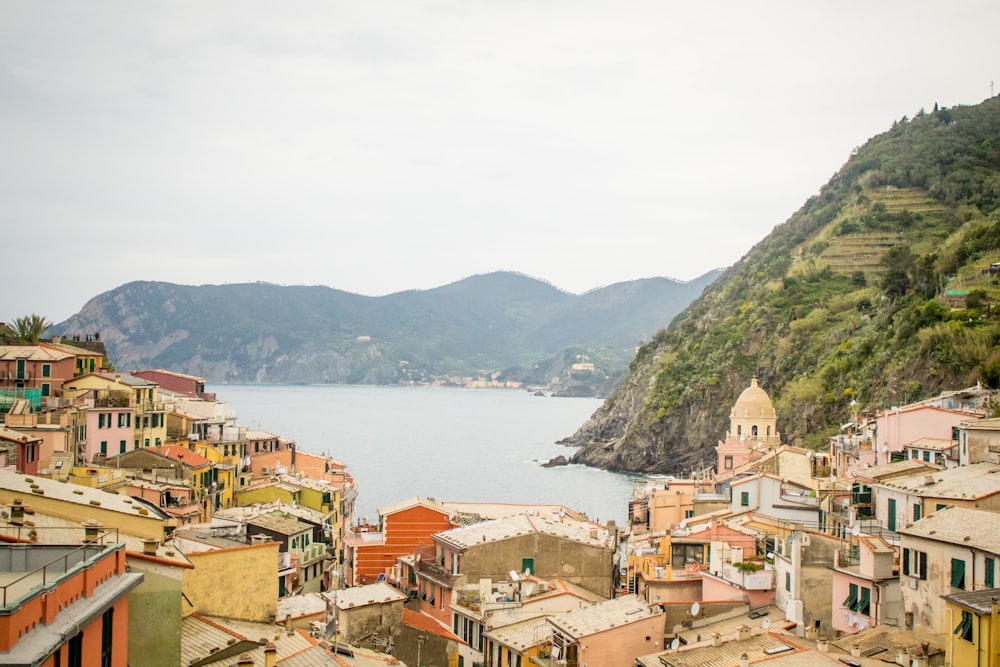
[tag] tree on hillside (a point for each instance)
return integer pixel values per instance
(26, 330)
(898, 264)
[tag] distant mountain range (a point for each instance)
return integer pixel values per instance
(499, 326)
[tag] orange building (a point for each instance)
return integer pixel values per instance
(65, 604)
(402, 529)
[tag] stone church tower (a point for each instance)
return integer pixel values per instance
(753, 428)
(753, 419)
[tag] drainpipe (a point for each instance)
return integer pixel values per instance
(993, 633)
(951, 638)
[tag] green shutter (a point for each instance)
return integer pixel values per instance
(906, 561)
(892, 514)
(957, 573)
(852, 598)
(916, 512)
(863, 605)
(745, 499)
(990, 567)
(922, 558)
(528, 565)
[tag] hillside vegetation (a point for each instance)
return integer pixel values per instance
(872, 293)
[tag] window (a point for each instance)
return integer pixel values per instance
(76, 650)
(957, 573)
(745, 499)
(916, 512)
(46, 391)
(104, 447)
(914, 563)
(927, 456)
(528, 565)
(990, 570)
(682, 555)
(788, 581)
(964, 629)
(46, 370)
(29, 454)
(107, 632)
(892, 514)
(939, 507)
(728, 462)
(121, 447)
(688, 514)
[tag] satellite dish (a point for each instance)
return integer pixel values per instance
(766, 624)
(514, 576)
(770, 555)
(810, 454)
(675, 644)
(885, 448)
(695, 608)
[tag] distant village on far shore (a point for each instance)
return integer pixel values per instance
(142, 525)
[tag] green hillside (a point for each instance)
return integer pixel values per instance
(872, 292)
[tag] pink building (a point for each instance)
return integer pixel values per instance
(897, 427)
(609, 634)
(110, 428)
(865, 585)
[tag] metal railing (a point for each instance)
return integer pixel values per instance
(81, 555)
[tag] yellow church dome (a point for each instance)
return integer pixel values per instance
(754, 402)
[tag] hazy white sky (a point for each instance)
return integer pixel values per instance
(382, 146)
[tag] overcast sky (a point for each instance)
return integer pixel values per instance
(381, 146)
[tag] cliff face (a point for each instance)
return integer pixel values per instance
(874, 292)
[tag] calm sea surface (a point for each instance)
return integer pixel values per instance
(450, 444)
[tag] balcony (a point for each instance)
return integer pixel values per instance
(313, 552)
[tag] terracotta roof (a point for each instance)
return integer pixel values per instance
(424, 623)
(183, 455)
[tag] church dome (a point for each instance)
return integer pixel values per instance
(754, 402)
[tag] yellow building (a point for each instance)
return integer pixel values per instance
(142, 396)
(303, 491)
(974, 621)
(78, 504)
(225, 473)
(218, 584)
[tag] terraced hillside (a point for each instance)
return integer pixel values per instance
(871, 293)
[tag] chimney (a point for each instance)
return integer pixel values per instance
(716, 639)
(17, 512)
(812, 633)
(149, 547)
(744, 660)
(856, 650)
(823, 645)
(91, 528)
(245, 660)
(288, 623)
(270, 655)
(742, 632)
(903, 658)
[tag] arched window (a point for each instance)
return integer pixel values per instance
(753, 431)
(739, 431)
(769, 431)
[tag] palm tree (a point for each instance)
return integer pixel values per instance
(26, 330)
